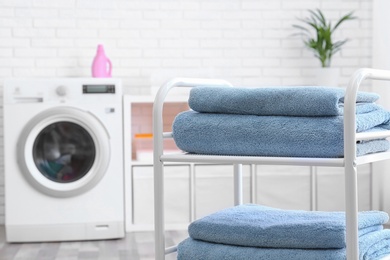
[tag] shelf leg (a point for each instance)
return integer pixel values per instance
(238, 184)
(159, 235)
(313, 188)
(253, 183)
(351, 212)
(192, 193)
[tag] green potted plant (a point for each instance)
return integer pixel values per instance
(321, 42)
(317, 35)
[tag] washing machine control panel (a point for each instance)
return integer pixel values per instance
(63, 90)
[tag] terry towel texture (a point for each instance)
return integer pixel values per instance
(257, 232)
(277, 101)
(200, 250)
(288, 122)
(229, 134)
(259, 226)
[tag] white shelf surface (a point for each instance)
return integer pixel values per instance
(129, 99)
(303, 161)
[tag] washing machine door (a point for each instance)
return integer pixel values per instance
(64, 151)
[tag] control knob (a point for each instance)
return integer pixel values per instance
(61, 91)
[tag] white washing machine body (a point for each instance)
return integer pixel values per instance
(63, 154)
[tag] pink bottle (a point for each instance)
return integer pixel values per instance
(101, 66)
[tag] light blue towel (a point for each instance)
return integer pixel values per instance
(277, 101)
(191, 249)
(374, 245)
(250, 135)
(199, 250)
(259, 226)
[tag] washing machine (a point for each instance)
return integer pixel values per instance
(63, 156)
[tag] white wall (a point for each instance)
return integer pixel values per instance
(381, 60)
(248, 42)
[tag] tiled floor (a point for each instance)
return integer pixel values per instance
(135, 246)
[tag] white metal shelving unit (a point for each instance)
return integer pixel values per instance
(349, 162)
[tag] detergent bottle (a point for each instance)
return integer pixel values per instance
(101, 66)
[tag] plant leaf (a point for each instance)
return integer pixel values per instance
(300, 27)
(344, 18)
(318, 16)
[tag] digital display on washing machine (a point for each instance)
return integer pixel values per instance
(98, 89)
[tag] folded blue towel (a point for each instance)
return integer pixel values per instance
(259, 226)
(372, 248)
(277, 101)
(374, 245)
(229, 134)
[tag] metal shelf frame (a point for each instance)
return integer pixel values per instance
(349, 162)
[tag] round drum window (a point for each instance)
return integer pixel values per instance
(64, 152)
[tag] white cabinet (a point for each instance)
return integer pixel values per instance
(211, 189)
(330, 188)
(177, 195)
(214, 188)
(293, 187)
(286, 187)
(138, 145)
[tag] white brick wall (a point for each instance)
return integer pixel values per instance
(245, 41)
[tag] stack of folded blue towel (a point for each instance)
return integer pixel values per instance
(279, 121)
(250, 231)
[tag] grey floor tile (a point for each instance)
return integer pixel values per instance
(135, 246)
